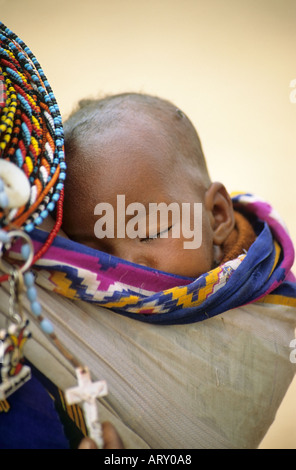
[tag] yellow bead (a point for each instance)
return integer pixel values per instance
(29, 164)
(36, 122)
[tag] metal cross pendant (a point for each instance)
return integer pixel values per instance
(86, 393)
(13, 373)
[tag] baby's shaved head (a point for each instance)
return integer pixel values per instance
(94, 118)
(145, 150)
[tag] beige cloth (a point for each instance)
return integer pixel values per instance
(216, 384)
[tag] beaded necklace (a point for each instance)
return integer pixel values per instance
(31, 130)
(32, 174)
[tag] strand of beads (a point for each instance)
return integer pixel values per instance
(46, 325)
(26, 251)
(36, 309)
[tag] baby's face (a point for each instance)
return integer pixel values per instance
(136, 164)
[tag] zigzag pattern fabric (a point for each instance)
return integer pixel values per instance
(262, 274)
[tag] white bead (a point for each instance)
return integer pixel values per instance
(16, 184)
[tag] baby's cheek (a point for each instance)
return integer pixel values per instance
(194, 262)
(176, 259)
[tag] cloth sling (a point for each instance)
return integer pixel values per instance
(260, 274)
(215, 383)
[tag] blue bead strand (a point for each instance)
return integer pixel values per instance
(46, 325)
(36, 309)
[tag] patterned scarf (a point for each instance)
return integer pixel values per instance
(260, 274)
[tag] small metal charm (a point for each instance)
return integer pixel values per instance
(13, 373)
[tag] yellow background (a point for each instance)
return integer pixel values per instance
(227, 63)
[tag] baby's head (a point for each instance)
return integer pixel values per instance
(147, 151)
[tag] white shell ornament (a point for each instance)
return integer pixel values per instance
(16, 185)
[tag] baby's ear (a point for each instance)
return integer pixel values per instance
(219, 204)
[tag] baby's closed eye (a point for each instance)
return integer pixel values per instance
(160, 234)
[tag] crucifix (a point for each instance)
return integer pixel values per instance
(86, 393)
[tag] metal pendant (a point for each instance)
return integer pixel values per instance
(13, 372)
